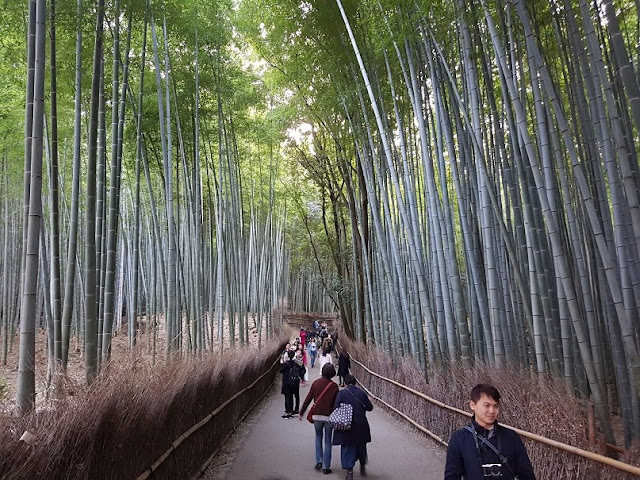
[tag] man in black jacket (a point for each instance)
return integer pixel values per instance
(292, 373)
(485, 450)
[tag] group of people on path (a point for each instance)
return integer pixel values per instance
(300, 354)
(480, 450)
(326, 397)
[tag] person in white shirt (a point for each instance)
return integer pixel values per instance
(324, 359)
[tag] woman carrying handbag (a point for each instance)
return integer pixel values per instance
(353, 441)
(323, 391)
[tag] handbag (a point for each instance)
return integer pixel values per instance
(312, 410)
(341, 417)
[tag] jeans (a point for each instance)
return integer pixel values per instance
(323, 456)
(313, 358)
(349, 453)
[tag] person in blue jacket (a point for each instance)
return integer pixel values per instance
(353, 442)
(483, 449)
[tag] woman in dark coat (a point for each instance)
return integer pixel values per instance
(344, 364)
(353, 442)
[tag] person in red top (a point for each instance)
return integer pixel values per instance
(323, 391)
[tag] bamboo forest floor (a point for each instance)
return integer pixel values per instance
(267, 447)
(76, 369)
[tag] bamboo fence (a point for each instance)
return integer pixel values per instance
(532, 436)
(211, 416)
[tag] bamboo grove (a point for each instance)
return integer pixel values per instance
(480, 160)
(143, 211)
(466, 189)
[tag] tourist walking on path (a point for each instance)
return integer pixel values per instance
(292, 373)
(301, 359)
(323, 392)
(303, 354)
(284, 357)
(484, 449)
(344, 364)
(323, 331)
(353, 442)
(313, 351)
(324, 359)
(327, 345)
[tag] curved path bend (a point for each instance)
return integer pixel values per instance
(268, 447)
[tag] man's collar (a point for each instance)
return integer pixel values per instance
(483, 432)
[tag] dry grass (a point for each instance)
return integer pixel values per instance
(128, 418)
(531, 403)
(120, 349)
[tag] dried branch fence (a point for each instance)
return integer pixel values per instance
(202, 423)
(142, 421)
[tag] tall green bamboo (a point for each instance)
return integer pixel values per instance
(90, 280)
(26, 394)
(75, 193)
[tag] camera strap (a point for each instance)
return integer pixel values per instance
(502, 458)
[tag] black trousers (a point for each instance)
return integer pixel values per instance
(288, 402)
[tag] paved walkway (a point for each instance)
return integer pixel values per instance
(267, 447)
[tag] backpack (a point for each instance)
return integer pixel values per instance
(292, 377)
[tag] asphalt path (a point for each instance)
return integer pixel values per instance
(268, 447)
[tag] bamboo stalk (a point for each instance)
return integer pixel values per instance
(592, 425)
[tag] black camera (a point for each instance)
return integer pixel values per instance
(492, 469)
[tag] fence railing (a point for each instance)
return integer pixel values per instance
(538, 438)
(188, 433)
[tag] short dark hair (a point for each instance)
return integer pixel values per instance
(328, 370)
(484, 389)
(350, 380)
(291, 354)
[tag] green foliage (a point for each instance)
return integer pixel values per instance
(12, 84)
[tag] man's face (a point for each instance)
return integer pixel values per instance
(486, 410)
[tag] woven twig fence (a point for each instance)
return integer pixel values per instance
(142, 422)
(401, 388)
(230, 405)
